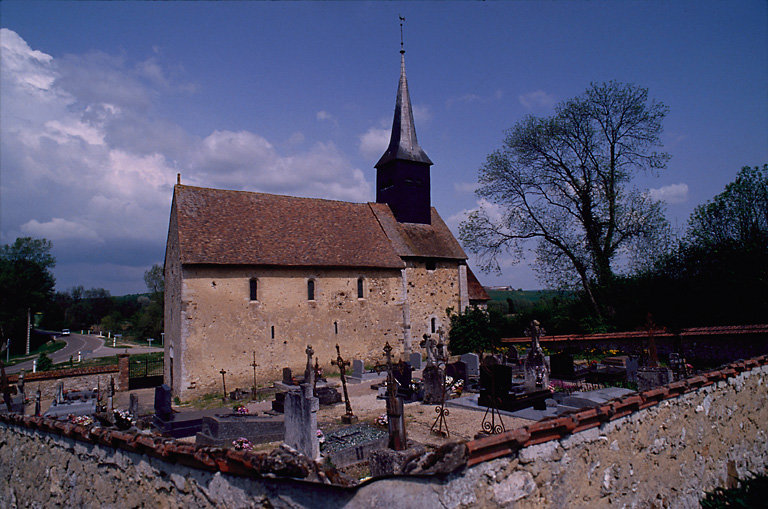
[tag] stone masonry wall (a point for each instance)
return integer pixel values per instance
(430, 293)
(172, 302)
(659, 448)
(221, 327)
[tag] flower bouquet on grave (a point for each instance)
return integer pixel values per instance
(83, 420)
(123, 419)
(242, 444)
(240, 409)
(320, 437)
(382, 420)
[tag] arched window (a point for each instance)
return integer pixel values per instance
(311, 289)
(254, 288)
(433, 325)
(360, 294)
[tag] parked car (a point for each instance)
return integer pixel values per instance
(65, 332)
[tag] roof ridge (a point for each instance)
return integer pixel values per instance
(242, 191)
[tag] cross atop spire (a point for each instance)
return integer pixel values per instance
(403, 144)
(402, 48)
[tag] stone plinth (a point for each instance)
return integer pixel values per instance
(301, 421)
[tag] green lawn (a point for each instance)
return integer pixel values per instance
(47, 348)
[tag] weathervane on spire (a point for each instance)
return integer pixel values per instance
(402, 50)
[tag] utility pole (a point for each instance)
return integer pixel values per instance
(29, 325)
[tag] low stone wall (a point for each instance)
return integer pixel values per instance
(76, 379)
(659, 448)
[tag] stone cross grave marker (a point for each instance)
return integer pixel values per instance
(253, 365)
(224, 384)
(38, 396)
(536, 368)
(308, 371)
(301, 416)
(429, 344)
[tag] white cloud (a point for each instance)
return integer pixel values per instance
(374, 142)
(59, 229)
(671, 194)
(85, 156)
(537, 100)
(465, 187)
(324, 115)
(475, 98)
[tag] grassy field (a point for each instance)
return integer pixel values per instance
(47, 348)
(518, 301)
(106, 361)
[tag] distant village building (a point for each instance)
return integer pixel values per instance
(253, 272)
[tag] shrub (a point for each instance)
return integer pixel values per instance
(44, 363)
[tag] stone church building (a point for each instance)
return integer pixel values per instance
(261, 274)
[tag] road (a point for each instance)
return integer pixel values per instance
(89, 346)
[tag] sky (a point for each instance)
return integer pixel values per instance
(103, 103)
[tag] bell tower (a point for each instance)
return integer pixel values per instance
(402, 173)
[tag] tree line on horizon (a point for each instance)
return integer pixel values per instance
(27, 283)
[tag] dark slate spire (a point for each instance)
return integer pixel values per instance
(403, 144)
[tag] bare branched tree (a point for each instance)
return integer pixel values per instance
(565, 181)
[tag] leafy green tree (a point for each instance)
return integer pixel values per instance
(474, 330)
(718, 274)
(26, 283)
(149, 319)
(566, 182)
(739, 214)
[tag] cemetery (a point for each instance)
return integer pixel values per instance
(340, 424)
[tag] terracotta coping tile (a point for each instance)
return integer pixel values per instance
(205, 459)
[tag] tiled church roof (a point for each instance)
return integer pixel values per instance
(418, 240)
(244, 228)
(476, 290)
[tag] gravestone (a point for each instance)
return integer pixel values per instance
(415, 360)
(357, 368)
(73, 403)
(359, 374)
(221, 430)
(536, 366)
(473, 364)
(632, 365)
(434, 379)
(58, 398)
(133, 405)
(562, 366)
(163, 402)
(403, 375)
(301, 421)
(512, 357)
(287, 376)
(456, 370)
(649, 377)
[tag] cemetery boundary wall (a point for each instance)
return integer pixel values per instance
(75, 379)
(709, 346)
(659, 448)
